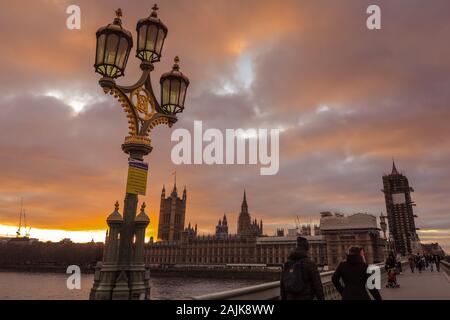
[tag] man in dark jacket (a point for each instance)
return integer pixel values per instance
(300, 279)
(437, 259)
(353, 273)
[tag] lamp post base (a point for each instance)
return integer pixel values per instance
(115, 282)
(122, 274)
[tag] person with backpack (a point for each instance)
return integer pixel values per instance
(300, 278)
(353, 273)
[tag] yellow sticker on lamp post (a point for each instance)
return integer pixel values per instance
(137, 177)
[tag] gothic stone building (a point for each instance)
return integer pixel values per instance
(250, 246)
(210, 250)
(246, 227)
(189, 248)
(172, 215)
(222, 228)
(399, 207)
(340, 232)
(276, 250)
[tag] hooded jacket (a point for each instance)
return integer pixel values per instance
(353, 273)
(310, 275)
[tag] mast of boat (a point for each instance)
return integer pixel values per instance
(18, 232)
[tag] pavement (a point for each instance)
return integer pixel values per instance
(419, 286)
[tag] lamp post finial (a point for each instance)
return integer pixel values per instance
(155, 9)
(176, 65)
(118, 19)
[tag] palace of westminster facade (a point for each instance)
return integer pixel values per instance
(180, 245)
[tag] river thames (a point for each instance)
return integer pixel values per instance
(52, 286)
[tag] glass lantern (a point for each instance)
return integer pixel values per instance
(151, 33)
(173, 89)
(114, 44)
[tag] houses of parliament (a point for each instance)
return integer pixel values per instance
(182, 245)
(179, 244)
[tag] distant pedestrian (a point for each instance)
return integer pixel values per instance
(392, 279)
(419, 262)
(423, 262)
(412, 263)
(390, 262)
(432, 262)
(353, 273)
(300, 278)
(391, 267)
(398, 260)
(437, 259)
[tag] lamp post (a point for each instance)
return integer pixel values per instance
(122, 273)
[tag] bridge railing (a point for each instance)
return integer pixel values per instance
(271, 290)
(445, 266)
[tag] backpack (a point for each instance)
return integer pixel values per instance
(293, 277)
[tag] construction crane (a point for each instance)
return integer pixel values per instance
(297, 224)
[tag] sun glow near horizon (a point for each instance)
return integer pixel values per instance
(56, 235)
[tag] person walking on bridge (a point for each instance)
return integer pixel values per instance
(390, 262)
(300, 278)
(432, 261)
(437, 259)
(423, 262)
(353, 273)
(412, 263)
(419, 262)
(391, 266)
(398, 259)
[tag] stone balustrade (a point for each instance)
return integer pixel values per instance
(271, 290)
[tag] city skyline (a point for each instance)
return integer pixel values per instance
(310, 220)
(347, 99)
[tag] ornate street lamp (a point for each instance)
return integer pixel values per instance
(122, 274)
(173, 89)
(114, 44)
(151, 35)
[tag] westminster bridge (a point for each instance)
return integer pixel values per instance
(413, 286)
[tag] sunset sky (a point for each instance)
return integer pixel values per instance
(347, 99)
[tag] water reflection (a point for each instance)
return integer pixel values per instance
(51, 286)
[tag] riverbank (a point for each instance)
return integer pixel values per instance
(268, 275)
(32, 268)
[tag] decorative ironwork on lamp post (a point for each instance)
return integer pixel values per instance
(122, 273)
